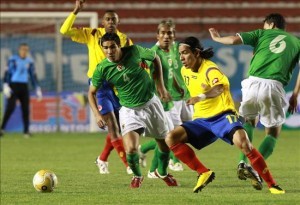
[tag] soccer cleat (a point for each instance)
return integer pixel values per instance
(142, 156)
(168, 179)
(151, 175)
(176, 167)
(136, 181)
(275, 189)
(203, 180)
(129, 170)
(245, 171)
(103, 166)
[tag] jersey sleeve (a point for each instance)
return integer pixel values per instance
(250, 38)
(146, 53)
(215, 77)
(79, 35)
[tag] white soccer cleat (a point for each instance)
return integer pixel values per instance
(177, 167)
(151, 175)
(129, 170)
(103, 166)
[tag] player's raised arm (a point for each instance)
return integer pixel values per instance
(68, 23)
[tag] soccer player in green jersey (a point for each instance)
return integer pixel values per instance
(167, 50)
(142, 111)
(108, 103)
(276, 53)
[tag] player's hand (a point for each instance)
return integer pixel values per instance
(293, 104)
(7, 90)
(39, 93)
(100, 122)
(78, 6)
(164, 95)
(214, 33)
(193, 100)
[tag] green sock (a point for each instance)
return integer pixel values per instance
(147, 146)
(133, 162)
(154, 163)
(172, 156)
(249, 130)
(163, 162)
(267, 146)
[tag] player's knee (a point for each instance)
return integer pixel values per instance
(170, 139)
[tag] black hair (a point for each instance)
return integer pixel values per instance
(277, 19)
(110, 37)
(195, 44)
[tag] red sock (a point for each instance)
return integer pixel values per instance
(187, 155)
(108, 147)
(259, 164)
(119, 147)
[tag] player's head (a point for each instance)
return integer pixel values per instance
(166, 33)
(274, 20)
(192, 52)
(23, 50)
(110, 21)
(110, 43)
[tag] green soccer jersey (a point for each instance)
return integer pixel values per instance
(275, 54)
(166, 59)
(129, 76)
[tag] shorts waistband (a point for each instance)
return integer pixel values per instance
(265, 80)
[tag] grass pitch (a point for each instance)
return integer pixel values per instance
(71, 157)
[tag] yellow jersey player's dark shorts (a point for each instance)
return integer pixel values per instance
(204, 131)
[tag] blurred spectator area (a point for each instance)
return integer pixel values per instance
(139, 18)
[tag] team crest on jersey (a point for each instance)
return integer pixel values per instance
(143, 65)
(194, 77)
(215, 80)
(99, 107)
(120, 67)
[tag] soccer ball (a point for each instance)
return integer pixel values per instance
(44, 181)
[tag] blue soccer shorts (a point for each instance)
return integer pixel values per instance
(204, 131)
(107, 99)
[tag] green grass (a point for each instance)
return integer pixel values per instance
(71, 157)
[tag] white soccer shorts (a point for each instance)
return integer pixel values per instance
(181, 112)
(264, 98)
(150, 116)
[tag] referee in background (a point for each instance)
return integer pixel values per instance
(19, 69)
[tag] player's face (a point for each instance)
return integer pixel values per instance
(110, 22)
(23, 51)
(268, 26)
(165, 37)
(112, 50)
(187, 57)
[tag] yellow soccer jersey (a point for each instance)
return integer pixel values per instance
(208, 76)
(90, 37)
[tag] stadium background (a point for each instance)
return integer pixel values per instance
(62, 64)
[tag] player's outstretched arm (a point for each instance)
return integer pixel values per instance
(228, 40)
(66, 28)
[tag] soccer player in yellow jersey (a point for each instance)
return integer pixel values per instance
(214, 117)
(108, 103)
